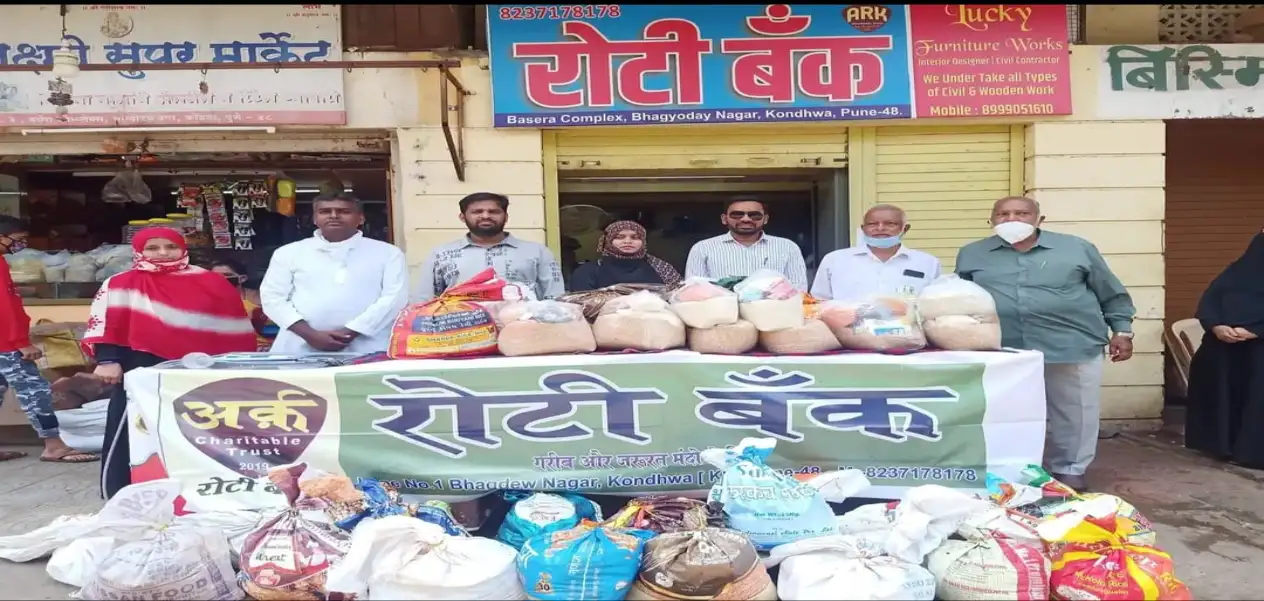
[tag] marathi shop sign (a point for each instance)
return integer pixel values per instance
(140, 35)
(626, 64)
(1181, 82)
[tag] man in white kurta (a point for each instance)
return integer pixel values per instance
(336, 291)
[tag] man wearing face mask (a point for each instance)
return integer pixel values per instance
(880, 265)
(1055, 294)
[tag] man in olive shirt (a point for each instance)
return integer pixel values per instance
(1055, 294)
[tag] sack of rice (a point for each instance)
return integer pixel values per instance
(397, 557)
(769, 301)
(951, 295)
(537, 513)
(590, 561)
(879, 324)
(289, 556)
(700, 303)
(990, 566)
(728, 339)
(810, 338)
(544, 328)
(1093, 559)
(825, 566)
(959, 315)
(963, 332)
(452, 325)
(640, 321)
(711, 563)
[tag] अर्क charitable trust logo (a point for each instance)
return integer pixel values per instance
(251, 425)
(867, 18)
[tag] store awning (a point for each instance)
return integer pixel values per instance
(448, 83)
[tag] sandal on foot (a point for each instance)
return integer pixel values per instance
(73, 457)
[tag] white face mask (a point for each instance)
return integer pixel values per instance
(1014, 231)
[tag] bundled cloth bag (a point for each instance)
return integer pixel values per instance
(959, 315)
(401, 558)
(537, 513)
(728, 339)
(787, 509)
(593, 300)
(711, 563)
(584, 563)
(990, 566)
(847, 567)
(641, 321)
(288, 556)
(880, 324)
(768, 300)
(700, 303)
(26, 266)
(148, 558)
(453, 324)
(1092, 559)
(911, 528)
(60, 344)
(662, 514)
(544, 328)
(1041, 497)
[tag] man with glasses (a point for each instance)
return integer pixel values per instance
(746, 249)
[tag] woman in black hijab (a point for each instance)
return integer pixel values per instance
(623, 260)
(1225, 406)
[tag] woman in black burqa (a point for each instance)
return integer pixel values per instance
(1225, 406)
(623, 260)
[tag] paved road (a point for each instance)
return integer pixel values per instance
(1208, 516)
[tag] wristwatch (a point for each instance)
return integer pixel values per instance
(1127, 335)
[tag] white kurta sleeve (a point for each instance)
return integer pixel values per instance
(392, 298)
(277, 291)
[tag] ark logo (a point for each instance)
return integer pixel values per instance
(867, 18)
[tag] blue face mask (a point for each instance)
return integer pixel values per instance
(891, 242)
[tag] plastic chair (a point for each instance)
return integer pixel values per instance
(1182, 341)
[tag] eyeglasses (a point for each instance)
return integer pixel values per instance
(754, 215)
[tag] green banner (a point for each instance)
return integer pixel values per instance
(636, 425)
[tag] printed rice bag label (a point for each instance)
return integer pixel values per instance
(443, 327)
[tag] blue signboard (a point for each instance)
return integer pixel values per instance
(556, 65)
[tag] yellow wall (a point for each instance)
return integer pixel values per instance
(1106, 24)
(507, 161)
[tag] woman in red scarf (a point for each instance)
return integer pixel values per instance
(159, 310)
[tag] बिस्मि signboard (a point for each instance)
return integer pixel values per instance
(621, 424)
(990, 60)
(625, 64)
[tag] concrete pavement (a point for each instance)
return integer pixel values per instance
(1208, 515)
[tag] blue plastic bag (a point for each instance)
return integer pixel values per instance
(771, 508)
(588, 563)
(378, 503)
(538, 513)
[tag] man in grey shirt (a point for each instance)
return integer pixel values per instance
(519, 261)
(1055, 294)
(746, 248)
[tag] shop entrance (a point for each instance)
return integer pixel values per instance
(230, 206)
(1214, 206)
(681, 208)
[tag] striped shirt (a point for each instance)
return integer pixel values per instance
(722, 256)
